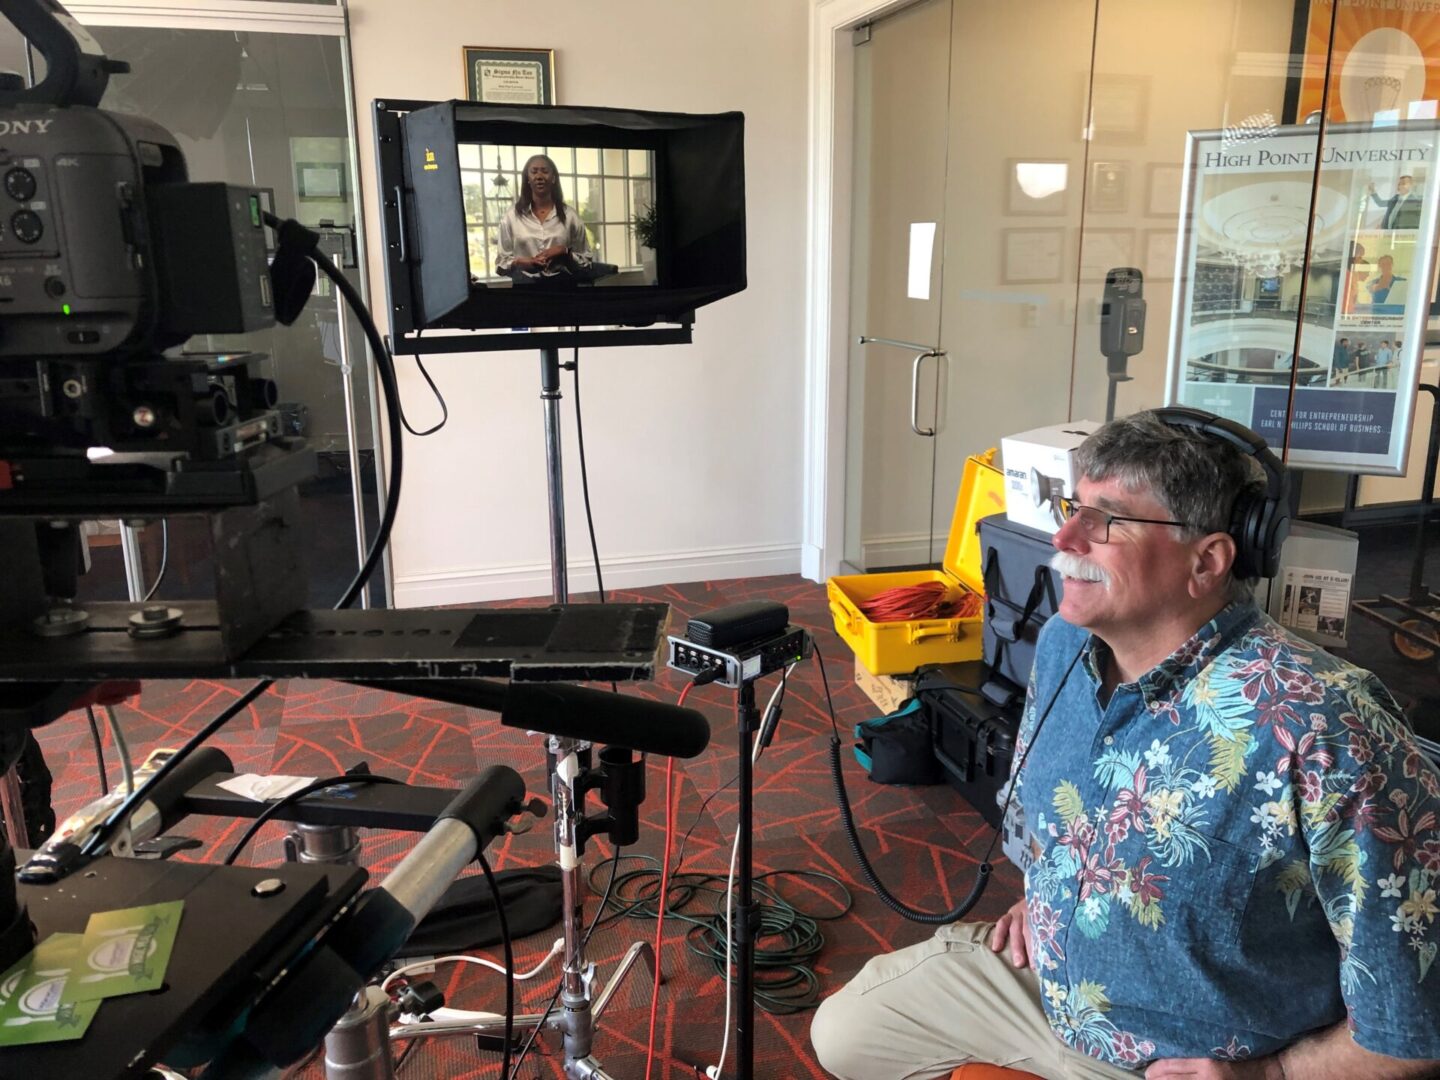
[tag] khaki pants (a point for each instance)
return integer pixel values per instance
(921, 1012)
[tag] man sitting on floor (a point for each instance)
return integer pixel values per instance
(1233, 840)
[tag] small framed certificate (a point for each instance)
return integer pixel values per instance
(509, 76)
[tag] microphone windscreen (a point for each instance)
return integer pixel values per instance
(598, 716)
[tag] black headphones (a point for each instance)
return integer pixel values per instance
(1259, 522)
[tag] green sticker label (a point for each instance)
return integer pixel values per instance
(32, 992)
(124, 952)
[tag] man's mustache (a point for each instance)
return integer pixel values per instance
(1071, 565)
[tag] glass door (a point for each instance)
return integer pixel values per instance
(250, 103)
(902, 94)
(1079, 156)
(1013, 204)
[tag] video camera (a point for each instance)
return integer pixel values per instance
(109, 256)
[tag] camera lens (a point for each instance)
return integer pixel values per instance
(20, 184)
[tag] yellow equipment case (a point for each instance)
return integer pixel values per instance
(895, 648)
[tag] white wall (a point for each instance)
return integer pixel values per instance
(694, 451)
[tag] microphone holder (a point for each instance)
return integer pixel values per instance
(1116, 372)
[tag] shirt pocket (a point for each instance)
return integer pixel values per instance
(1213, 894)
(1190, 963)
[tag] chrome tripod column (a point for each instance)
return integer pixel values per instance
(554, 472)
(358, 1046)
(576, 1021)
(568, 761)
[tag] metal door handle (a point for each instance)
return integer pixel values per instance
(924, 353)
(914, 347)
(928, 433)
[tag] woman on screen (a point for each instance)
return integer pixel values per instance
(540, 237)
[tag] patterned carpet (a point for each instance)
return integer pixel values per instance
(924, 842)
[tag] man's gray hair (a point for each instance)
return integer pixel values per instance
(1195, 476)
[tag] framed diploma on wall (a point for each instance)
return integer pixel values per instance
(499, 76)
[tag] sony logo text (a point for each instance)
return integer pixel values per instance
(25, 127)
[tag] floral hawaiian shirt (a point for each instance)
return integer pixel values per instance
(1238, 848)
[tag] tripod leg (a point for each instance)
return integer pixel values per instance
(453, 1027)
(586, 1069)
(637, 951)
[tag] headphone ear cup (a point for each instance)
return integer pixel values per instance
(1242, 526)
(1277, 528)
(292, 280)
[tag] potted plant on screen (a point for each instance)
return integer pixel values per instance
(646, 228)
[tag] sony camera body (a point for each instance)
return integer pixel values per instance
(108, 258)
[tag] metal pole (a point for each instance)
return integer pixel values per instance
(550, 395)
(371, 377)
(568, 797)
(358, 1046)
(134, 568)
(1427, 497)
(421, 878)
(747, 721)
(352, 435)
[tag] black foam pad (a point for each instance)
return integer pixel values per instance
(292, 273)
(292, 279)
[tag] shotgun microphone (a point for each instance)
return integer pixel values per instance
(573, 712)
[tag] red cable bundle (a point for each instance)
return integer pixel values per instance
(928, 600)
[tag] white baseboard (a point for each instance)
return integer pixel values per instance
(480, 584)
(910, 549)
(812, 566)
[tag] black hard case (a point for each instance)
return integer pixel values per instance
(975, 708)
(974, 739)
(1021, 592)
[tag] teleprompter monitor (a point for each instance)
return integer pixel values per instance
(539, 216)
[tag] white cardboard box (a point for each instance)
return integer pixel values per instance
(1039, 467)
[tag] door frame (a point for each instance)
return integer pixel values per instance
(273, 17)
(827, 276)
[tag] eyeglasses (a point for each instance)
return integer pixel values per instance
(1096, 523)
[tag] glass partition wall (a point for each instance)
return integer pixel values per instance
(1282, 234)
(252, 104)
(1041, 158)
